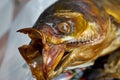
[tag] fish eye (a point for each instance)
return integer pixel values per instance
(64, 27)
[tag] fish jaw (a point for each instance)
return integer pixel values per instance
(41, 56)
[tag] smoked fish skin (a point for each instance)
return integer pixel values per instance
(70, 33)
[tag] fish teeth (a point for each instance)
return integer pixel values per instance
(72, 41)
(82, 40)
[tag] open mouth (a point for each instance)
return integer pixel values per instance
(41, 56)
(44, 57)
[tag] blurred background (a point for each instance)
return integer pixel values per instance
(14, 15)
(8, 12)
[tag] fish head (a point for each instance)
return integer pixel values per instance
(59, 33)
(54, 38)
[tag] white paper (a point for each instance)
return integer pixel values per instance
(6, 15)
(13, 66)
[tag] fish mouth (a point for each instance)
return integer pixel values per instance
(42, 56)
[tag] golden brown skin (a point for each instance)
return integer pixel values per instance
(70, 33)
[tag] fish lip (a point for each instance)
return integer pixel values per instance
(34, 34)
(38, 38)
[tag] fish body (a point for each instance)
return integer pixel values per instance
(70, 33)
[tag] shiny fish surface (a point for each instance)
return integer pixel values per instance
(70, 34)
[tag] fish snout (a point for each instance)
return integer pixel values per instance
(42, 57)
